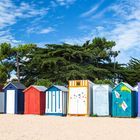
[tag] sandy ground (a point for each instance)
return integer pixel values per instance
(29, 127)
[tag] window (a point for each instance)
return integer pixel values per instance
(78, 83)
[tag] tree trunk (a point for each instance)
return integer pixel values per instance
(17, 61)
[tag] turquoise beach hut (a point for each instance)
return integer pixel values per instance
(124, 101)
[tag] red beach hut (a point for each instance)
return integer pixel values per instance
(34, 100)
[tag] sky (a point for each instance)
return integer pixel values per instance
(72, 21)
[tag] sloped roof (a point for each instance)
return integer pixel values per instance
(136, 88)
(40, 88)
(17, 85)
(127, 85)
(62, 88)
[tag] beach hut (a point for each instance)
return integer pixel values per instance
(80, 97)
(56, 100)
(34, 102)
(102, 100)
(1, 102)
(124, 101)
(14, 99)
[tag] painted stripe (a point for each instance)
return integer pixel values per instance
(51, 102)
(63, 94)
(83, 83)
(55, 101)
(59, 99)
(46, 103)
(72, 83)
(86, 83)
(64, 102)
(48, 98)
(69, 83)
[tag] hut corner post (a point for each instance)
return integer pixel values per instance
(139, 99)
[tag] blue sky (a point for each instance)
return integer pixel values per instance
(72, 21)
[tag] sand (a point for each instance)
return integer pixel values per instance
(34, 127)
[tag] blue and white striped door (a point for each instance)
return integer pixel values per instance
(53, 102)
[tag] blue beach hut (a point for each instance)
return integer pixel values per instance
(56, 100)
(14, 98)
(124, 101)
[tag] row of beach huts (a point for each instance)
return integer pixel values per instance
(80, 98)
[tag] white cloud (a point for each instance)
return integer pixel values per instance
(47, 30)
(6, 36)
(126, 33)
(39, 30)
(55, 3)
(11, 13)
(92, 10)
(79, 40)
(123, 27)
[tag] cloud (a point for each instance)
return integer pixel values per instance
(123, 26)
(78, 40)
(67, 3)
(126, 32)
(6, 36)
(10, 14)
(47, 30)
(40, 30)
(92, 10)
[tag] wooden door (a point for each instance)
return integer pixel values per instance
(82, 100)
(78, 100)
(33, 101)
(73, 102)
(10, 102)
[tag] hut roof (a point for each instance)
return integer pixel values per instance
(17, 85)
(127, 85)
(136, 88)
(62, 88)
(39, 88)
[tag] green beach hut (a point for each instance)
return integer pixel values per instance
(124, 101)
